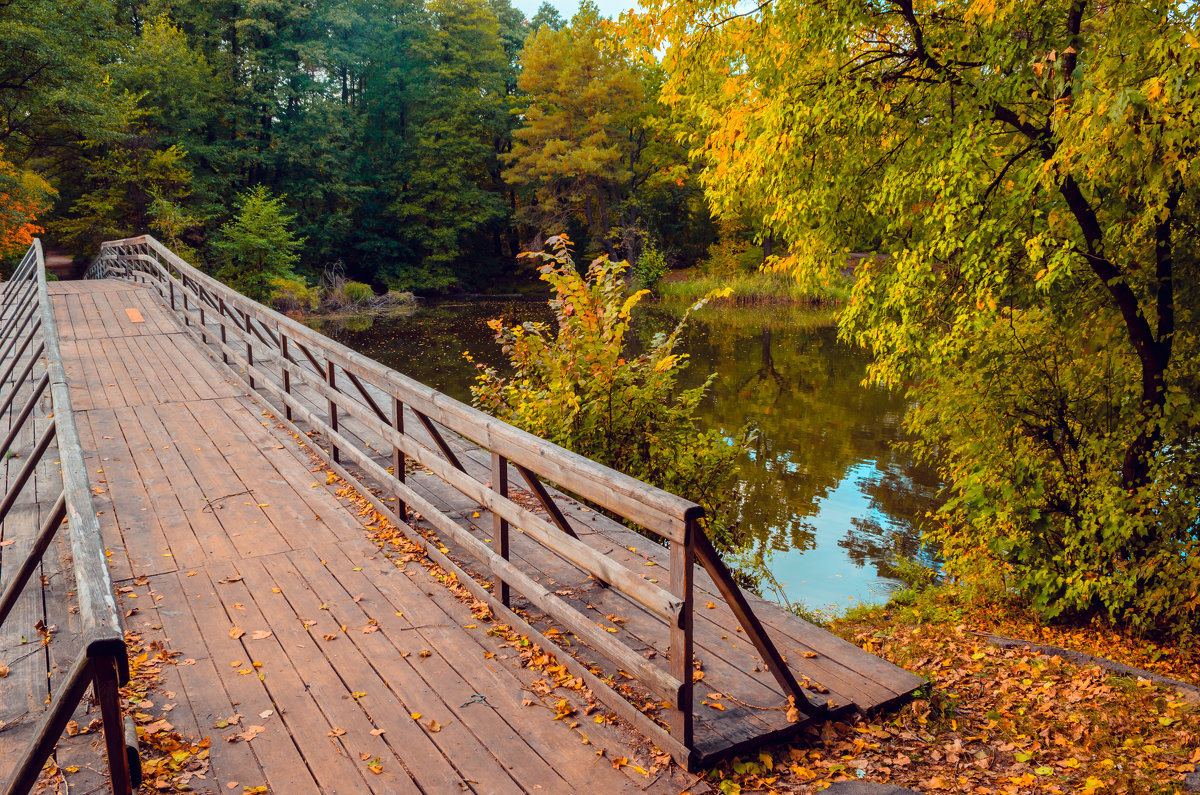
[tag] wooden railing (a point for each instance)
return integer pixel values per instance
(278, 355)
(29, 339)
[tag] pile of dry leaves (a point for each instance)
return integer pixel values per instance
(998, 720)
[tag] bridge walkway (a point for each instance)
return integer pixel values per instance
(314, 660)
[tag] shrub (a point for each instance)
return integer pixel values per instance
(342, 293)
(578, 387)
(358, 293)
(650, 267)
(293, 295)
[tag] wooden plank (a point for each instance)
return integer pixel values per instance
(210, 535)
(139, 372)
(293, 694)
(226, 494)
(431, 613)
(215, 689)
(481, 743)
(294, 467)
(269, 489)
(135, 315)
(106, 378)
(158, 374)
(134, 510)
(117, 371)
(110, 534)
(176, 368)
(335, 670)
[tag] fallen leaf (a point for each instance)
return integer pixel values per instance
(236, 632)
(260, 634)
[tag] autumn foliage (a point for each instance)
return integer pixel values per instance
(23, 198)
(998, 720)
(1027, 174)
(583, 387)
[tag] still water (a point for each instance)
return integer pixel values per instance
(828, 502)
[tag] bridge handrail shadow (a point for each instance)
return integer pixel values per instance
(277, 353)
(28, 334)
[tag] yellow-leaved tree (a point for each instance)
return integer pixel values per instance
(1027, 173)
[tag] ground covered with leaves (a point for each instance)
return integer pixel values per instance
(998, 720)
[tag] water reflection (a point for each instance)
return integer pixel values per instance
(828, 502)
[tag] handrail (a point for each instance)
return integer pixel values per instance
(277, 355)
(103, 661)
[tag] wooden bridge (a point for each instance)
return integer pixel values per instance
(344, 579)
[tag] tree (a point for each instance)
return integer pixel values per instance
(119, 184)
(585, 129)
(52, 86)
(447, 203)
(176, 91)
(258, 245)
(547, 16)
(1030, 172)
(23, 197)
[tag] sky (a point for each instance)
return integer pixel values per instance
(609, 8)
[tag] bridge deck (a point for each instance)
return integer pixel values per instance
(217, 519)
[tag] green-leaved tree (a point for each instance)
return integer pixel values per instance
(257, 244)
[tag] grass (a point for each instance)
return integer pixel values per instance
(748, 289)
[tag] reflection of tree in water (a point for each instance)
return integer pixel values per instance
(803, 391)
(904, 493)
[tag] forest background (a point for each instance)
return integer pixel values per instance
(414, 144)
(1025, 174)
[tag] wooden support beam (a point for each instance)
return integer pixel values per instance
(432, 430)
(751, 625)
(331, 380)
(362, 390)
(399, 460)
(682, 587)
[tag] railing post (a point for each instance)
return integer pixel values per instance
(500, 525)
(105, 687)
(203, 325)
(331, 380)
(224, 339)
(284, 361)
(171, 285)
(399, 460)
(683, 556)
(249, 348)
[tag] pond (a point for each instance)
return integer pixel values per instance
(829, 503)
